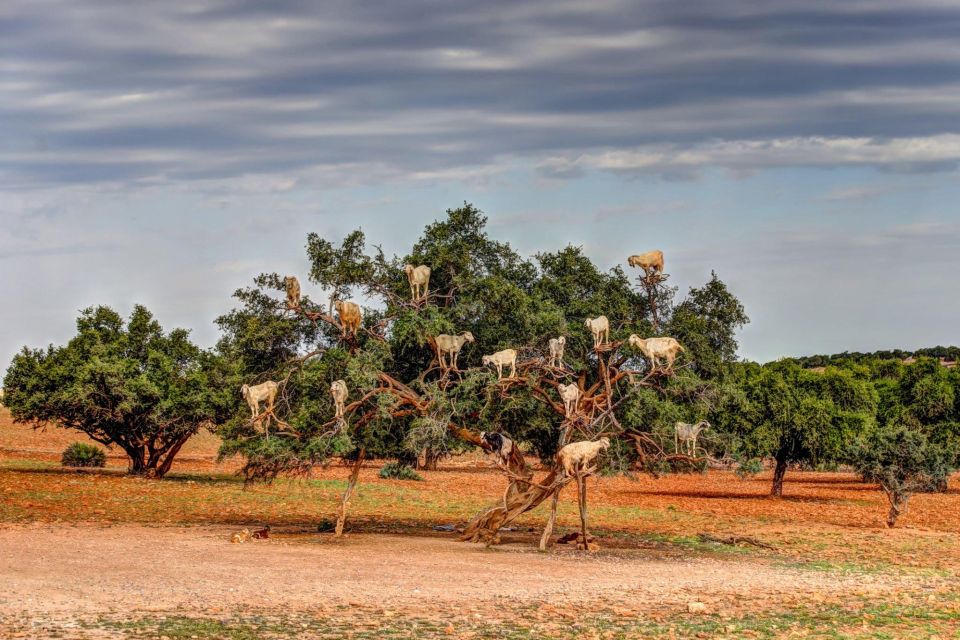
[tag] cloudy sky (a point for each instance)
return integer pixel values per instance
(807, 150)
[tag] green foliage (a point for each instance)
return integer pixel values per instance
(749, 468)
(82, 454)
(706, 324)
(902, 461)
(123, 383)
(799, 416)
(398, 471)
(478, 284)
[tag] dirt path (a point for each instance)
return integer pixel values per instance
(79, 570)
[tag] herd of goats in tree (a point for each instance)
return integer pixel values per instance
(580, 406)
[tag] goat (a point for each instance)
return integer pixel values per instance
(350, 316)
(293, 292)
(556, 351)
(687, 434)
(265, 391)
(501, 359)
(653, 348)
(500, 445)
(338, 390)
(600, 328)
(650, 262)
(241, 536)
(570, 394)
(418, 277)
(2, 396)
(576, 456)
(447, 344)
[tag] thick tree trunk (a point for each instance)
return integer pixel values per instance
(138, 465)
(779, 471)
(348, 492)
(522, 495)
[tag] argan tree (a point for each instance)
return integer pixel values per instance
(799, 416)
(903, 462)
(401, 401)
(127, 384)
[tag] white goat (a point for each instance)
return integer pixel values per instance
(653, 348)
(293, 291)
(263, 392)
(576, 456)
(687, 434)
(650, 262)
(350, 316)
(451, 345)
(570, 394)
(418, 277)
(501, 359)
(557, 346)
(600, 328)
(338, 391)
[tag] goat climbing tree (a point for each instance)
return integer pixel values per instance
(401, 401)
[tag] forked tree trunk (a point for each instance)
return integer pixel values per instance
(522, 495)
(348, 492)
(778, 473)
(898, 506)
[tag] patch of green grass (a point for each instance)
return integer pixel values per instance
(860, 618)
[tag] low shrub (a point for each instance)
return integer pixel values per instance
(398, 471)
(81, 454)
(749, 468)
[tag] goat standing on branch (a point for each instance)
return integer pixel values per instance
(419, 278)
(338, 391)
(576, 457)
(570, 394)
(293, 292)
(451, 345)
(263, 392)
(651, 262)
(557, 346)
(501, 359)
(600, 328)
(687, 434)
(653, 348)
(350, 316)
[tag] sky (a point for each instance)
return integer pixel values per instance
(165, 153)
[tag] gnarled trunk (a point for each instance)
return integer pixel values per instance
(522, 495)
(898, 506)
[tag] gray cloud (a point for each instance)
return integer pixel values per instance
(105, 91)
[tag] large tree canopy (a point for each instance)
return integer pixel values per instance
(124, 384)
(400, 401)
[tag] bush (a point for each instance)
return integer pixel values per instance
(903, 462)
(81, 454)
(751, 467)
(398, 471)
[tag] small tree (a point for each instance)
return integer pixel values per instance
(902, 461)
(125, 384)
(798, 416)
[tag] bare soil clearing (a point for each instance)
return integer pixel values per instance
(100, 554)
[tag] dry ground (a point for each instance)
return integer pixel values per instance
(100, 554)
